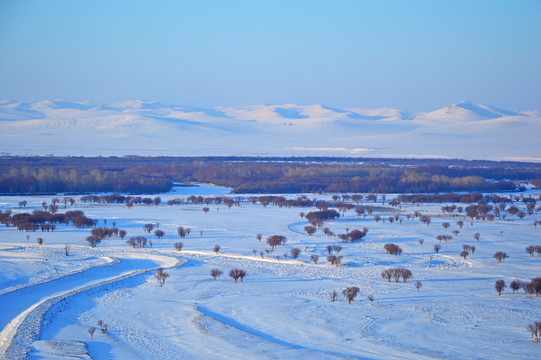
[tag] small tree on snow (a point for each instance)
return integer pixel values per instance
(216, 249)
(418, 286)
(179, 245)
(161, 276)
(516, 285)
(314, 258)
(371, 299)
(295, 252)
(500, 256)
(91, 331)
(334, 294)
(351, 293)
(215, 273)
(237, 274)
(499, 285)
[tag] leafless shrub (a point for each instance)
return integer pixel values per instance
(535, 330)
(275, 240)
(66, 249)
(161, 276)
(437, 248)
(91, 331)
(310, 230)
(418, 286)
(334, 295)
(295, 252)
(159, 233)
(500, 256)
(530, 249)
(183, 232)
(93, 240)
(337, 248)
(396, 274)
(393, 249)
(334, 260)
(148, 227)
(351, 293)
(329, 249)
(215, 273)
(314, 258)
(516, 285)
(237, 274)
(421, 241)
(499, 285)
(464, 254)
(179, 245)
(371, 299)
(216, 249)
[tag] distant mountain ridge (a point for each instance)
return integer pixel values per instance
(153, 128)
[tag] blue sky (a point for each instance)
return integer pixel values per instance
(414, 55)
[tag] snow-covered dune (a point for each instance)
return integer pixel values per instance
(463, 130)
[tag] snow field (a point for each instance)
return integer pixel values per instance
(282, 309)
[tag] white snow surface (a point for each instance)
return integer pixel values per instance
(282, 309)
(464, 130)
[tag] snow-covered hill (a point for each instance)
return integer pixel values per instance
(463, 130)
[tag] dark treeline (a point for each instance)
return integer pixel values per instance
(137, 175)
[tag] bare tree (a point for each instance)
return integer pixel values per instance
(530, 249)
(421, 241)
(93, 240)
(387, 274)
(237, 274)
(159, 234)
(464, 254)
(477, 236)
(91, 331)
(337, 248)
(334, 294)
(351, 293)
(275, 240)
(148, 227)
(310, 230)
(179, 245)
(216, 249)
(215, 273)
(445, 225)
(393, 249)
(418, 286)
(371, 299)
(406, 274)
(437, 248)
(314, 258)
(329, 249)
(499, 285)
(161, 276)
(516, 285)
(334, 260)
(206, 209)
(40, 241)
(295, 252)
(66, 249)
(259, 237)
(500, 256)
(535, 330)
(122, 234)
(183, 232)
